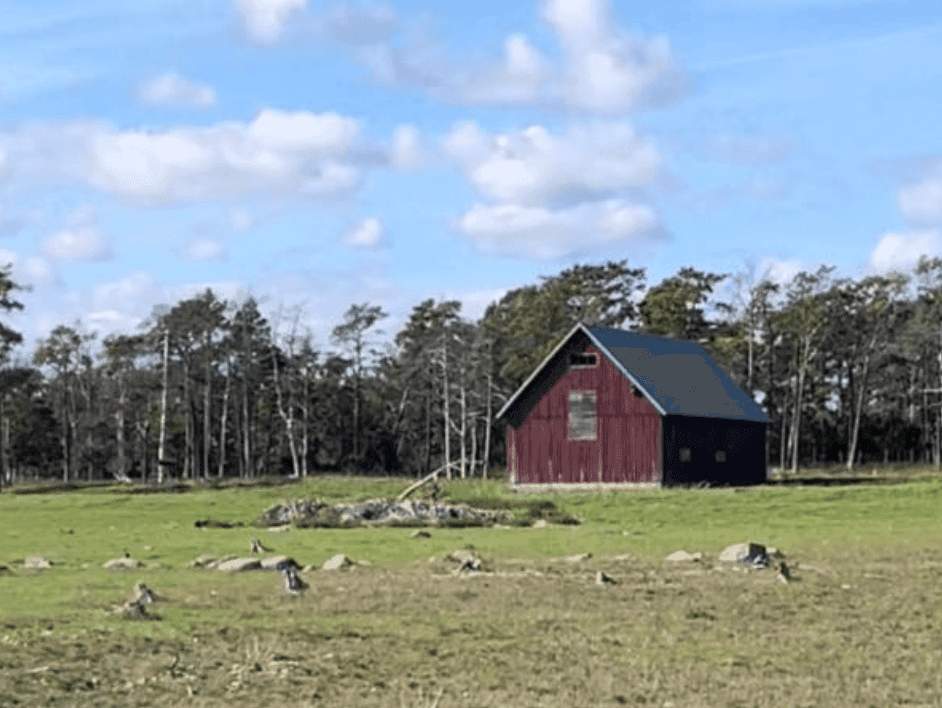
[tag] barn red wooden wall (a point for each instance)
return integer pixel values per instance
(627, 445)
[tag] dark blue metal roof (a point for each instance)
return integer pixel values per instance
(678, 375)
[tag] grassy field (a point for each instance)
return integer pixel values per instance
(859, 626)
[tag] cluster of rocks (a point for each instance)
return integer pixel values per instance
(313, 512)
(751, 555)
(232, 564)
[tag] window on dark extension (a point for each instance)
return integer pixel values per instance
(581, 415)
(721, 455)
(685, 454)
(582, 361)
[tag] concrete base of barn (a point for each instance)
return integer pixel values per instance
(533, 488)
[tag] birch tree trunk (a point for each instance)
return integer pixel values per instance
(161, 447)
(487, 429)
(445, 407)
(207, 411)
(222, 421)
(287, 416)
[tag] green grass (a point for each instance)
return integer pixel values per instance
(859, 627)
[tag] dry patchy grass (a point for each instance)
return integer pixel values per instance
(858, 627)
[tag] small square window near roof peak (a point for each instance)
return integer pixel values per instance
(582, 360)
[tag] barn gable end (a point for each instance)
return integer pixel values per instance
(646, 410)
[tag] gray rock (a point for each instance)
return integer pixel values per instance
(37, 563)
(337, 562)
(203, 561)
(539, 524)
(124, 563)
(238, 565)
(683, 556)
(462, 555)
(749, 553)
(578, 558)
(273, 562)
(419, 533)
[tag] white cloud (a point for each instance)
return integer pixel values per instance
(173, 90)
(901, 251)
(38, 272)
(604, 69)
(368, 235)
(922, 202)
(533, 166)
(520, 78)
(317, 155)
(79, 244)
(407, 151)
(205, 249)
(537, 232)
(126, 291)
(303, 132)
(265, 19)
(608, 70)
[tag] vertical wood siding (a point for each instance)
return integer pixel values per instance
(626, 448)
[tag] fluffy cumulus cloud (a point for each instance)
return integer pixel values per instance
(173, 90)
(265, 19)
(407, 151)
(516, 231)
(318, 155)
(77, 244)
(922, 202)
(901, 251)
(603, 68)
(368, 235)
(549, 196)
(608, 69)
(533, 166)
(522, 77)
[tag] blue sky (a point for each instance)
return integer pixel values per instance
(318, 154)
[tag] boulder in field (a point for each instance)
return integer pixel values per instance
(683, 556)
(275, 562)
(123, 563)
(337, 562)
(37, 563)
(462, 555)
(750, 553)
(204, 561)
(238, 565)
(419, 533)
(578, 558)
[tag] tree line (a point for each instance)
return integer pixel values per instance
(848, 370)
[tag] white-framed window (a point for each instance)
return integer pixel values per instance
(685, 454)
(582, 415)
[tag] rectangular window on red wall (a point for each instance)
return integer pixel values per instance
(581, 415)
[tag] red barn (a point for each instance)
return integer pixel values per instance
(613, 406)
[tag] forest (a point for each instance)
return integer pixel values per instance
(848, 371)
